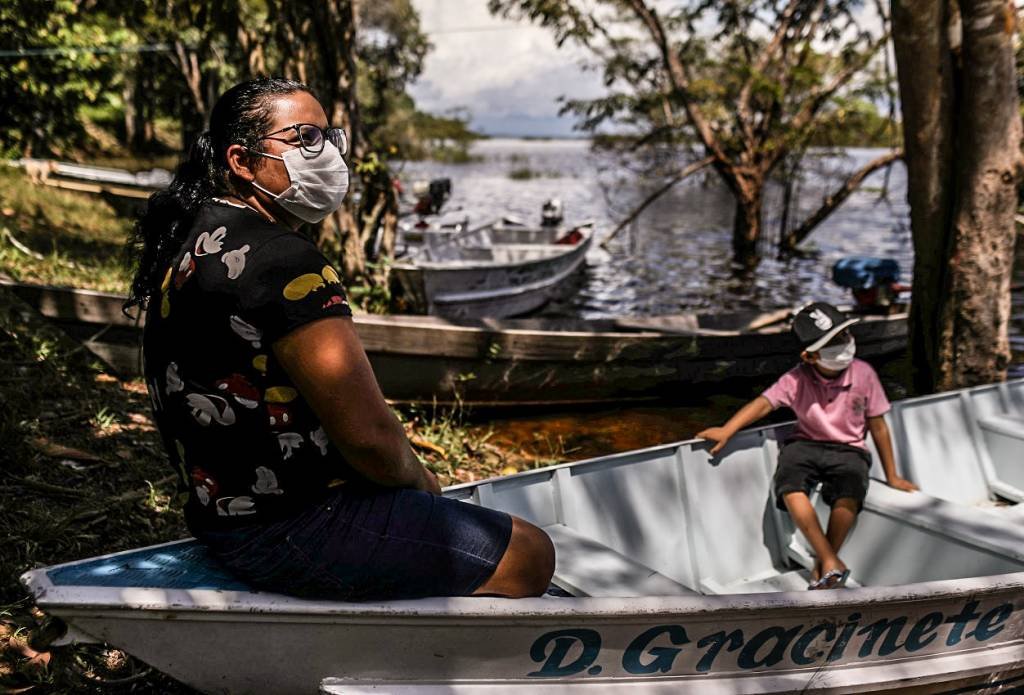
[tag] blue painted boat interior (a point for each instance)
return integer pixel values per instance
(182, 566)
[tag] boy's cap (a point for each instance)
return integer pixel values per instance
(818, 323)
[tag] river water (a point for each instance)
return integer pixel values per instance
(677, 256)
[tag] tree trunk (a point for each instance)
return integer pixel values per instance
(925, 71)
(962, 140)
(746, 226)
(988, 146)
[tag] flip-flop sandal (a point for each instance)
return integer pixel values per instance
(833, 579)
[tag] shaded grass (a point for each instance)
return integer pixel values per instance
(72, 239)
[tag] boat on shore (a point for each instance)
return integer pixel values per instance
(517, 362)
(681, 574)
(119, 183)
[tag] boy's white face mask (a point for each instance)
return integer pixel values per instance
(318, 182)
(838, 357)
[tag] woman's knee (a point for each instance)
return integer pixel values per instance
(527, 565)
(541, 550)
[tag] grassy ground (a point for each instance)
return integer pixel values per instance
(58, 237)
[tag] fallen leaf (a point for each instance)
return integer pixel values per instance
(48, 448)
(422, 443)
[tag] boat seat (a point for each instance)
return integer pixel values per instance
(902, 537)
(584, 567)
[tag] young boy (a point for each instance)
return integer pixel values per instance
(837, 399)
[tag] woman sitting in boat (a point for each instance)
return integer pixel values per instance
(299, 476)
(837, 399)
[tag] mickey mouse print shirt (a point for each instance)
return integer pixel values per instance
(245, 444)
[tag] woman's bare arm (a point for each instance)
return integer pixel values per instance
(327, 364)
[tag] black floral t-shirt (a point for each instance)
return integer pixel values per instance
(246, 445)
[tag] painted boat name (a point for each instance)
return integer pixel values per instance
(572, 651)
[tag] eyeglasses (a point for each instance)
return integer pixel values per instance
(312, 137)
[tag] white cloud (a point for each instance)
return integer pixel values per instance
(495, 67)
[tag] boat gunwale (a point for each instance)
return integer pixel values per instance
(427, 322)
(443, 266)
(72, 601)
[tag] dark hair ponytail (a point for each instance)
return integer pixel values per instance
(241, 116)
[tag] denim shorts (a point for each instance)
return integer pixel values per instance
(369, 543)
(841, 469)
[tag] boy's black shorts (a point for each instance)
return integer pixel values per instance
(841, 469)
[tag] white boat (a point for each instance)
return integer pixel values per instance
(494, 271)
(684, 579)
(93, 179)
(445, 224)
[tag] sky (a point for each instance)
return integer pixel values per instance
(509, 75)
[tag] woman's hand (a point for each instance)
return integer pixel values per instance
(430, 483)
(901, 484)
(719, 435)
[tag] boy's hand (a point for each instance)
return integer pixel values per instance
(719, 435)
(901, 484)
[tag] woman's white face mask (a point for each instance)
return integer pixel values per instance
(838, 357)
(318, 182)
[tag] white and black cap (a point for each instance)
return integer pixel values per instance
(818, 323)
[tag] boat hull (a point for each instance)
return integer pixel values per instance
(519, 361)
(525, 278)
(927, 635)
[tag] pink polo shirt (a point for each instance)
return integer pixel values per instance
(831, 410)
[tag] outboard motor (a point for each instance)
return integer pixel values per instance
(551, 213)
(874, 282)
(432, 197)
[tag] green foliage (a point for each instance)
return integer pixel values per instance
(724, 52)
(44, 91)
(444, 138)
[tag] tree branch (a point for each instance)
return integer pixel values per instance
(691, 168)
(769, 51)
(678, 77)
(821, 95)
(788, 242)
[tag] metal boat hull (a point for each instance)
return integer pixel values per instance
(683, 578)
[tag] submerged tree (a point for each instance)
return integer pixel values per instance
(747, 82)
(962, 130)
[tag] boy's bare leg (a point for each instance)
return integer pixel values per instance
(840, 521)
(803, 515)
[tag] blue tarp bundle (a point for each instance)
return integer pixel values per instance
(865, 272)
